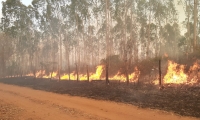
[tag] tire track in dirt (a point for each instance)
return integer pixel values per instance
(70, 111)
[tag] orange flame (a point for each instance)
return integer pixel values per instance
(133, 77)
(98, 73)
(92, 76)
(51, 75)
(66, 76)
(95, 76)
(40, 73)
(193, 73)
(175, 74)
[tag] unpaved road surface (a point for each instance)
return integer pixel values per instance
(21, 103)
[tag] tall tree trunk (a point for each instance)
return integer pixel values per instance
(68, 62)
(131, 37)
(85, 50)
(77, 74)
(60, 58)
(54, 57)
(195, 25)
(77, 51)
(127, 77)
(107, 42)
(135, 51)
(149, 31)
(160, 79)
(189, 42)
(3, 61)
(107, 81)
(125, 42)
(60, 55)
(31, 62)
(67, 51)
(88, 76)
(79, 56)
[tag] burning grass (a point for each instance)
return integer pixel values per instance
(133, 77)
(177, 74)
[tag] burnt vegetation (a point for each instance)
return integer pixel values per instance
(144, 53)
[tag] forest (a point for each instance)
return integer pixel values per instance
(72, 37)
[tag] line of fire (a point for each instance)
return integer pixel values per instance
(174, 74)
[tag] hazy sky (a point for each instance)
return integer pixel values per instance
(179, 8)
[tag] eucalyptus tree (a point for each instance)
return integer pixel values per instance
(118, 29)
(164, 13)
(67, 40)
(187, 7)
(58, 28)
(195, 24)
(97, 12)
(149, 25)
(107, 17)
(78, 15)
(6, 52)
(133, 30)
(33, 36)
(145, 14)
(142, 20)
(18, 24)
(68, 43)
(52, 17)
(125, 31)
(49, 17)
(102, 13)
(171, 34)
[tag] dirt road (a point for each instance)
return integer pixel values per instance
(21, 103)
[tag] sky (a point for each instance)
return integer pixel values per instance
(181, 15)
(179, 8)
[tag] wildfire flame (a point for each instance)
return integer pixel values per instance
(51, 75)
(92, 76)
(39, 73)
(176, 74)
(98, 73)
(72, 76)
(193, 72)
(133, 77)
(95, 76)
